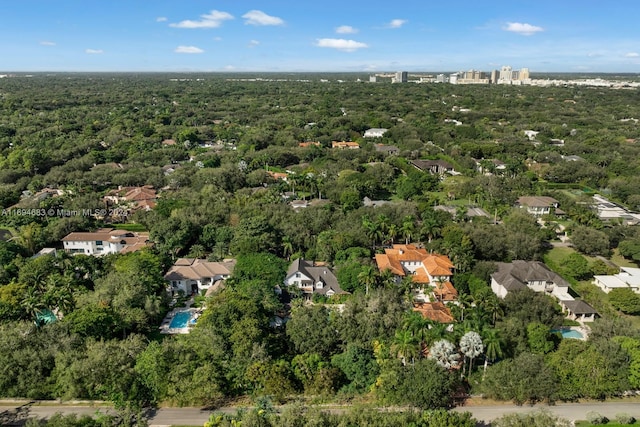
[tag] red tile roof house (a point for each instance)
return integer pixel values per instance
(423, 267)
(104, 241)
(193, 275)
(345, 145)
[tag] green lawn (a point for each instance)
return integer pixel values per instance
(130, 227)
(621, 261)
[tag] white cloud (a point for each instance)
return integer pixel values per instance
(161, 19)
(188, 49)
(254, 43)
(217, 39)
(47, 43)
(93, 51)
(346, 29)
(522, 29)
(210, 20)
(341, 44)
(396, 23)
(632, 55)
(258, 17)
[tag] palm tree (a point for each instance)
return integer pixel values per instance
(32, 302)
(430, 229)
(387, 278)
(493, 346)
(287, 247)
(371, 230)
(383, 223)
(445, 354)
(436, 331)
(368, 277)
(417, 325)
(471, 346)
(464, 301)
(197, 251)
(405, 346)
(392, 233)
(408, 228)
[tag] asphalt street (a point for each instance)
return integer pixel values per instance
(196, 416)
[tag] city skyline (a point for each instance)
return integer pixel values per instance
(347, 36)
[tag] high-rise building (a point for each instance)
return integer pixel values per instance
(401, 77)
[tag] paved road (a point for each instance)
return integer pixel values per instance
(197, 416)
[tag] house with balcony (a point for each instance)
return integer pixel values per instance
(534, 275)
(194, 275)
(312, 278)
(104, 241)
(426, 270)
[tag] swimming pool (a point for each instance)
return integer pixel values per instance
(570, 333)
(180, 320)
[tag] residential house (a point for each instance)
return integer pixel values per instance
(374, 203)
(578, 310)
(627, 278)
(424, 268)
(194, 275)
(307, 144)
(435, 311)
(531, 134)
(375, 132)
(434, 167)
(390, 150)
(282, 176)
(345, 145)
(490, 166)
(539, 205)
(608, 211)
(104, 241)
(312, 278)
(534, 275)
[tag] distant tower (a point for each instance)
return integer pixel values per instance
(494, 76)
(524, 74)
(505, 74)
(373, 79)
(401, 77)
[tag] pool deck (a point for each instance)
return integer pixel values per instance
(165, 326)
(583, 330)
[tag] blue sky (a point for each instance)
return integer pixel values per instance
(328, 35)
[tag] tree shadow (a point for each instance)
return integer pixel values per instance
(16, 416)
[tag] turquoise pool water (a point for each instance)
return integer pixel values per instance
(180, 320)
(569, 333)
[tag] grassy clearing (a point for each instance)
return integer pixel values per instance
(130, 227)
(621, 261)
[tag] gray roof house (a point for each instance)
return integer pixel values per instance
(312, 278)
(536, 276)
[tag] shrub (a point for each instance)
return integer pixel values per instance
(596, 418)
(623, 418)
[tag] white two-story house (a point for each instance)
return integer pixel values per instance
(193, 275)
(104, 241)
(534, 275)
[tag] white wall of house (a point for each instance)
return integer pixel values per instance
(297, 279)
(92, 247)
(498, 289)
